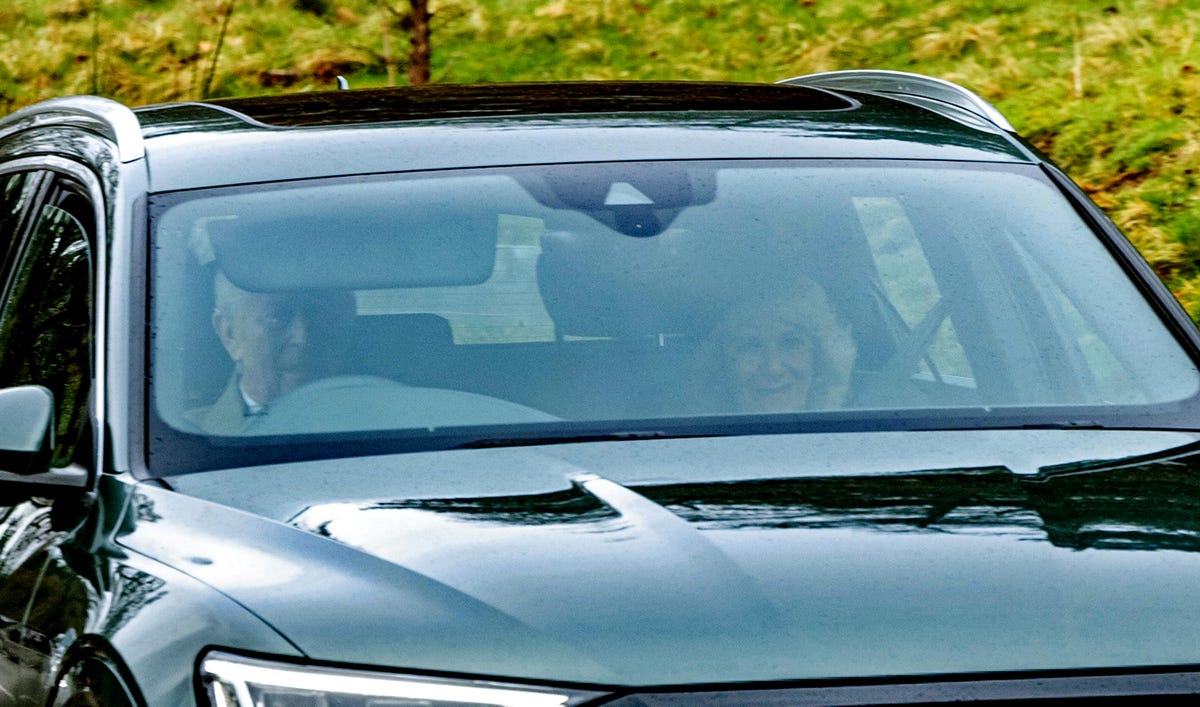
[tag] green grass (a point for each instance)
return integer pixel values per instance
(1109, 89)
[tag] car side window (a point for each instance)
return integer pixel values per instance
(45, 320)
(17, 190)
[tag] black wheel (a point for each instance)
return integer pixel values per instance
(91, 682)
(85, 699)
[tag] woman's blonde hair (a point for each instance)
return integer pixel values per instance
(801, 303)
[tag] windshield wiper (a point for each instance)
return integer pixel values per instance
(618, 436)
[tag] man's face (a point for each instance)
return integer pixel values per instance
(770, 364)
(281, 341)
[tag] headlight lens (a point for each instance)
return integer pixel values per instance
(237, 681)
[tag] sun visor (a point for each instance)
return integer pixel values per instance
(326, 239)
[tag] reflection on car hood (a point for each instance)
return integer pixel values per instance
(1087, 560)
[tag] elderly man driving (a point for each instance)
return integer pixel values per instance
(278, 341)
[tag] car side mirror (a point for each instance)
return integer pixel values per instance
(27, 446)
(26, 429)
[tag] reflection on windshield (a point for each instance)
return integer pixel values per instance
(637, 291)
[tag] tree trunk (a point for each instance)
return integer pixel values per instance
(418, 68)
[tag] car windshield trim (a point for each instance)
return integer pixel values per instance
(236, 452)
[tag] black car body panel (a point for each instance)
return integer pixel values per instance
(1039, 565)
(244, 151)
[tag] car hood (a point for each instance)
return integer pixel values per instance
(714, 561)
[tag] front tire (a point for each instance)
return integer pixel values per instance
(92, 682)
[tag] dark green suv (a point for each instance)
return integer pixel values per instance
(826, 391)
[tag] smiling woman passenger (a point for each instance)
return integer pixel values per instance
(777, 350)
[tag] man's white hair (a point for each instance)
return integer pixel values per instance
(228, 299)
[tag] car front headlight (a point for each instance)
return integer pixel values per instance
(237, 681)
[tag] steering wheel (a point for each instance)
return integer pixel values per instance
(357, 403)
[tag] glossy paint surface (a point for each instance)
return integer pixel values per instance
(600, 565)
(237, 151)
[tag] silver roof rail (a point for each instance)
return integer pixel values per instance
(915, 88)
(100, 115)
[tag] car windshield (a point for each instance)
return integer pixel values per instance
(378, 313)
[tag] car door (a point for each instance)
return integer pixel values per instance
(47, 226)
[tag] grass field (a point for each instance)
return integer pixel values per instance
(1109, 89)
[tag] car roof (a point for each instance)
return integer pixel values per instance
(305, 135)
(440, 102)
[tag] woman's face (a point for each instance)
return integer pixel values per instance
(771, 364)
